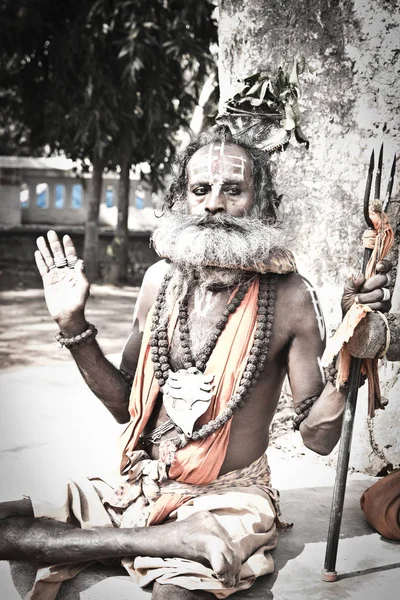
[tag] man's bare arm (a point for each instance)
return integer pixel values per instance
(321, 429)
(66, 292)
(103, 378)
(111, 385)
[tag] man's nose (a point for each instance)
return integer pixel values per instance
(215, 202)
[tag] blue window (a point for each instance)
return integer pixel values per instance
(139, 197)
(109, 196)
(59, 195)
(77, 196)
(24, 195)
(42, 195)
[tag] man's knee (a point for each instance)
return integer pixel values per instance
(16, 508)
(173, 592)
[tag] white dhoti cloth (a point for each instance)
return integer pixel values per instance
(248, 512)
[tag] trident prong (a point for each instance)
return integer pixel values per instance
(368, 190)
(389, 188)
(377, 189)
(378, 174)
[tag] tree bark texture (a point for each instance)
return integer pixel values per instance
(350, 105)
(119, 264)
(90, 252)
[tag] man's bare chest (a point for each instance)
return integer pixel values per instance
(205, 308)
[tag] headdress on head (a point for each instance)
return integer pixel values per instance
(264, 111)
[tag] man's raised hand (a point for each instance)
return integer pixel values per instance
(66, 287)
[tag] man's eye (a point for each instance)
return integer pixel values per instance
(200, 190)
(233, 191)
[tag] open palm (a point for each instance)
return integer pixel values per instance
(66, 288)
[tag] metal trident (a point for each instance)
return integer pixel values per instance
(329, 573)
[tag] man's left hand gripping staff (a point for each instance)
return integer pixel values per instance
(371, 337)
(373, 292)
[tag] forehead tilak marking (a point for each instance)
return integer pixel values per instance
(214, 167)
(210, 164)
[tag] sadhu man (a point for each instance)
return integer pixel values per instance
(218, 324)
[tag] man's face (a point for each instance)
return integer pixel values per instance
(220, 180)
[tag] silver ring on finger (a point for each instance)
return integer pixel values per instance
(72, 260)
(52, 267)
(386, 294)
(389, 280)
(60, 261)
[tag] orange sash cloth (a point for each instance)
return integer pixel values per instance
(380, 241)
(199, 462)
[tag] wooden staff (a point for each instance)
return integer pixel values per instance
(329, 571)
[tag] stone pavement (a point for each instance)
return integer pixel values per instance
(52, 427)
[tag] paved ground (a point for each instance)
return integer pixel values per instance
(42, 442)
(27, 331)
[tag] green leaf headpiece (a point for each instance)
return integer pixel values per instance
(265, 110)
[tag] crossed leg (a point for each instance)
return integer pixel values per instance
(200, 537)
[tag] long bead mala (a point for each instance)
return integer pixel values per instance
(255, 362)
(159, 337)
(202, 360)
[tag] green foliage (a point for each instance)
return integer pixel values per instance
(103, 78)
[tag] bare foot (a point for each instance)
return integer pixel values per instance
(200, 537)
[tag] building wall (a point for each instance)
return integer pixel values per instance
(50, 214)
(10, 213)
(42, 208)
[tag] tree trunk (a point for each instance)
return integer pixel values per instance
(350, 106)
(90, 251)
(119, 266)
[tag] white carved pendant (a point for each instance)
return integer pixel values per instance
(187, 396)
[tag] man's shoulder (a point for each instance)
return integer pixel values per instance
(156, 272)
(295, 290)
(297, 304)
(153, 278)
(294, 282)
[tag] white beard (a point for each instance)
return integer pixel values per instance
(216, 249)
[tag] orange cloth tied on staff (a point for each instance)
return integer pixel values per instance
(380, 240)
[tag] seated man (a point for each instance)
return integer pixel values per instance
(218, 324)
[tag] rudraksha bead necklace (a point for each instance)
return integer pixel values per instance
(255, 362)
